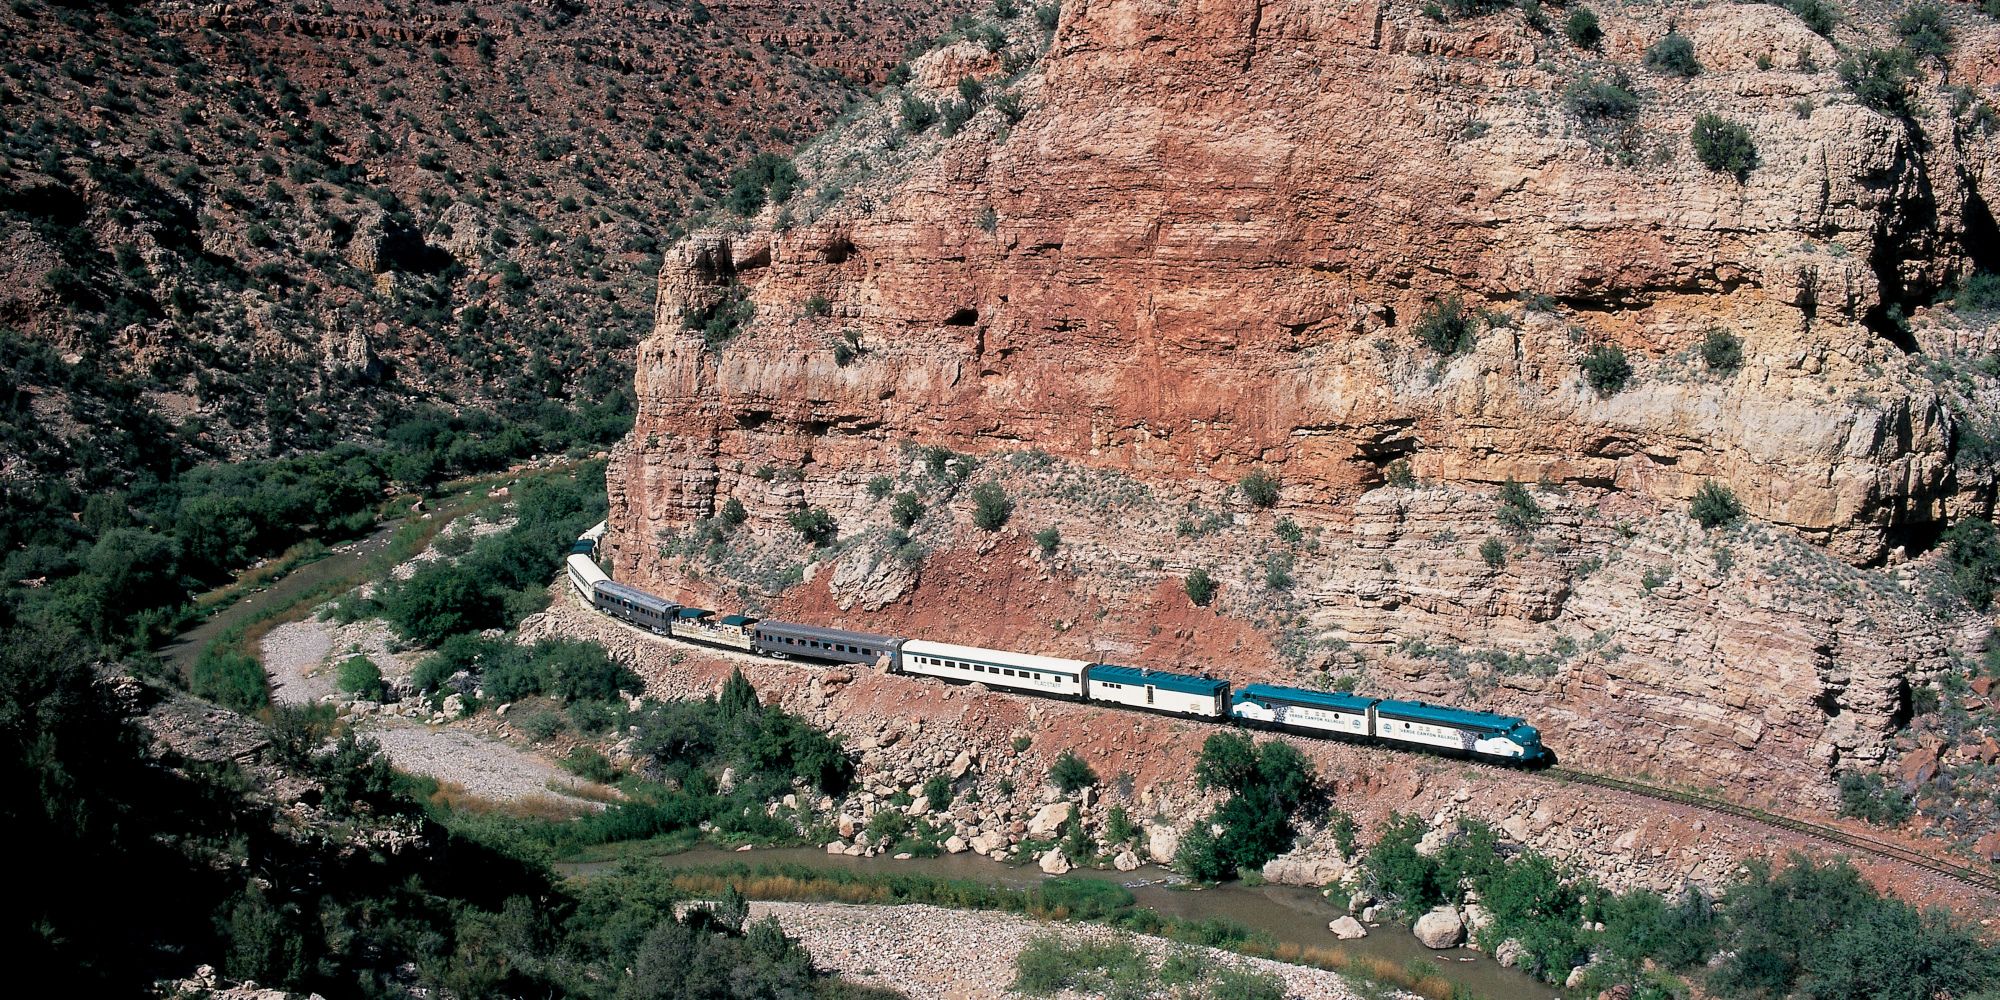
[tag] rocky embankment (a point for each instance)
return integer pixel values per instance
(996, 750)
(926, 951)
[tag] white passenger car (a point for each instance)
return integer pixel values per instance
(995, 667)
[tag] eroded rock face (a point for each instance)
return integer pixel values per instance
(1203, 249)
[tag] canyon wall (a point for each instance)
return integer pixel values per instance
(1192, 240)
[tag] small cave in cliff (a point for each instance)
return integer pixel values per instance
(1914, 537)
(966, 316)
(838, 250)
(1982, 235)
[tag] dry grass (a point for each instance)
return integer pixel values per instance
(456, 797)
(577, 788)
(1368, 967)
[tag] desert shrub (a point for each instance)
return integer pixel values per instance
(1880, 79)
(1446, 326)
(1048, 539)
(818, 306)
(1714, 505)
(767, 179)
(990, 506)
(590, 764)
(1972, 560)
(1591, 99)
(1534, 16)
(1822, 16)
(1493, 551)
(1582, 28)
(1200, 587)
(1519, 512)
(906, 509)
(1978, 292)
(358, 675)
(937, 788)
(1721, 351)
(1869, 797)
(1260, 488)
(732, 513)
(1923, 29)
(1723, 145)
(881, 486)
(1606, 368)
(1673, 55)
(580, 671)
(1071, 774)
(916, 114)
(815, 525)
(230, 678)
(1400, 475)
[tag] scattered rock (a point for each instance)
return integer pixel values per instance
(1053, 863)
(954, 845)
(1049, 819)
(1347, 929)
(1509, 953)
(1440, 928)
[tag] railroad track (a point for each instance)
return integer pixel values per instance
(1970, 875)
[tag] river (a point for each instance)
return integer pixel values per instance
(1289, 914)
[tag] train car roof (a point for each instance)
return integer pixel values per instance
(1417, 711)
(1165, 680)
(992, 657)
(693, 613)
(821, 632)
(636, 596)
(1300, 696)
(738, 621)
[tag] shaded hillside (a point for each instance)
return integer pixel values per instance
(278, 223)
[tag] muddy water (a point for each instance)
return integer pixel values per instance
(339, 561)
(1289, 914)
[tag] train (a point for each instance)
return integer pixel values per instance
(1328, 714)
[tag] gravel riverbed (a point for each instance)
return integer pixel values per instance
(927, 951)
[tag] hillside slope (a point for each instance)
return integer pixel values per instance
(1390, 261)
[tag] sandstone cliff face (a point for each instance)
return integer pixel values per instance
(1202, 249)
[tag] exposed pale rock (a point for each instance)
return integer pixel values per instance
(1508, 953)
(1440, 928)
(1347, 928)
(1054, 863)
(1162, 843)
(1049, 819)
(954, 845)
(1125, 861)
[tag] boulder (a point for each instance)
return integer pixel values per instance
(960, 765)
(1304, 871)
(1371, 914)
(1125, 861)
(1576, 977)
(1356, 902)
(987, 843)
(1476, 918)
(454, 705)
(1053, 863)
(1162, 843)
(1049, 819)
(921, 806)
(954, 844)
(1440, 928)
(1347, 929)
(835, 847)
(1509, 953)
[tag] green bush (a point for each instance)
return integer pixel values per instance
(1445, 326)
(1260, 488)
(230, 678)
(767, 178)
(1819, 15)
(1972, 559)
(1721, 351)
(937, 788)
(1607, 369)
(906, 509)
(1869, 797)
(1493, 551)
(1610, 99)
(916, 114)
(1714, 505)
(815, 525)
(1673, 55)
(1200, 587)
(358, 675)
(1978, 293)
(1880, 79)
(732, 513)
(1071, 774)
(1267, 784)
(1518, 513)
(581, 671)
(1923, 29)
(990, 506)
(1048, 539)
(1582, 29)
(1723, 145)
(881, 486)
(590, 765)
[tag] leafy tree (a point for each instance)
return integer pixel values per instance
(1582, 28)
(1723, 146)
(1260, 488)
(1267, 785)
(231, 678)
(990, 506)
(1446, 326)
(1200, 587)
(581, 671)
(1721, 351)
(767, 178)
(1880, 79)
(1924, 30)
(739, 697)
(1822, 16)
(732, 513)
(1714, 505)
(440, 601)
(1607, 369)
(1071, 774)
(1673, 55)
(1399, 872)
